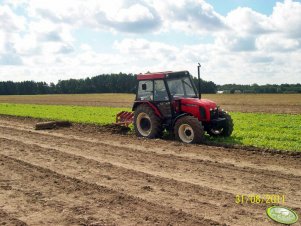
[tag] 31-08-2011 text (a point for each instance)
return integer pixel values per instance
(259, 199)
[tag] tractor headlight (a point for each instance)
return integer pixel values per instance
(214, 113)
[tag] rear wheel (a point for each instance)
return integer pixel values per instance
(225, 130)
(189, 129)
(146, 122)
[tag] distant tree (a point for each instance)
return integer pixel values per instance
(126, 83)
(206, 86)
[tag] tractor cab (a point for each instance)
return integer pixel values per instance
(166, 86)
(164, 89)
(170, 101)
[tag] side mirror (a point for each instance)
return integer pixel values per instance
(144, 86)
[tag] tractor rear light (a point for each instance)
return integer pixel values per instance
(177, 106)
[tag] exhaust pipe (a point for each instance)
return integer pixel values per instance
(199, 80)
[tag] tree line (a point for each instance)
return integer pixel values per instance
(255, 88)
(126, 83)
(106, 83)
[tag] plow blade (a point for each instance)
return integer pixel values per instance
(124, 118)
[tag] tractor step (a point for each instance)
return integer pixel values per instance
(124, 118)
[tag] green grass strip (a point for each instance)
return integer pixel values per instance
(80, 114)
(274, 131)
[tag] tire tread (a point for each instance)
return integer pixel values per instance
(157, 129)
(196, 125)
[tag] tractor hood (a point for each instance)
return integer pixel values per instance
(207, 104)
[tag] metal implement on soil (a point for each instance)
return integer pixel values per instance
(124, 118)
(170, 101)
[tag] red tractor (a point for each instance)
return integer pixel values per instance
(170, 101)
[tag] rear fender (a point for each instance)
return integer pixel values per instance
(156, 110)
(176, 118)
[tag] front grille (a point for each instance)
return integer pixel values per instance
(214, 113)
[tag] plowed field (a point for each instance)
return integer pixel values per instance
(85, 175)
(269, 103)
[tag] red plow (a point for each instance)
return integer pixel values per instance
(124, 118)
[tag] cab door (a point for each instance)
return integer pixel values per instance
(161, 98)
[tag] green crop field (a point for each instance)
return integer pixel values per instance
(264, 130)
(80, 114)
(275, 131)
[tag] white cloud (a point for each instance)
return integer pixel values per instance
(134, 13)
(10, 25)
(124, 16)
(147, 49)
(10, 22)
(286, 18)
(277, 43)
(245, 21)
(252, 31)
(235, 42)
(193, 16)
(247, 46)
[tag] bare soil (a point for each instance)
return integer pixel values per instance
(86, 175)
(269, 103)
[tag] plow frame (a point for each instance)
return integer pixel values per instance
(124, 118)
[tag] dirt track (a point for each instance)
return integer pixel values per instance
(85, 176)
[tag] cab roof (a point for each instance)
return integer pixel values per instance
(162, 75)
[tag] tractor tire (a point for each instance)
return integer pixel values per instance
(189, 129)
(147, 123)
(226, 130)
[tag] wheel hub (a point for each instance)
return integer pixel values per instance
(144, 125)
(186, 133)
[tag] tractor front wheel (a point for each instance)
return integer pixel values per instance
(189, 129)
(224, 130)
(146, 122)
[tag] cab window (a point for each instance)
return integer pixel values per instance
(145, 90)
(160, 93)
(176, 87)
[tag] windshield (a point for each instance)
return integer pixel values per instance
(181, 87)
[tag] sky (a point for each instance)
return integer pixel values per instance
(236, 41)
